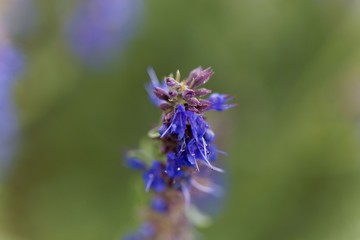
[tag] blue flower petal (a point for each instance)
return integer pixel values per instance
(155, 177)
(135, 163)
(177, 125)
(219, 102)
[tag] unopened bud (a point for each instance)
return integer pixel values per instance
(165, 106)
(199, 77)
(188, 93)
(193, 102)
(194, 109)
(204, 105)
(171, 82)
(173, 94)
(202, 92)
(161, 93)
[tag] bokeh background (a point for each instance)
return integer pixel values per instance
(294, 140)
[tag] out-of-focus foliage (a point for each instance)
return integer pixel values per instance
(293, 167)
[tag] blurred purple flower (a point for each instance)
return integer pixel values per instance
(187, 142)
(98, 30)
(11, 64)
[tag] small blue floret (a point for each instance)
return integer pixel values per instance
(177, 125)
(219, 102)
(135, 163)
(155, 177)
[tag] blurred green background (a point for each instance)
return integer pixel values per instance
(293, 141)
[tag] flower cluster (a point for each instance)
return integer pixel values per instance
(187, 149)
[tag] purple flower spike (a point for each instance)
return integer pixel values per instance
(219, 102)
(187, 151)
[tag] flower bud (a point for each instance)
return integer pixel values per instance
(202, 92)
(194, 109)
(193, 74)
(171, 82)
(199, 77)
(188, 93)
(173, 93)
(161, 93)
(165, 106)
(204, 105)
(193, 102)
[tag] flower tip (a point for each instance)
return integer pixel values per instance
(161, 93)
(171, 82)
